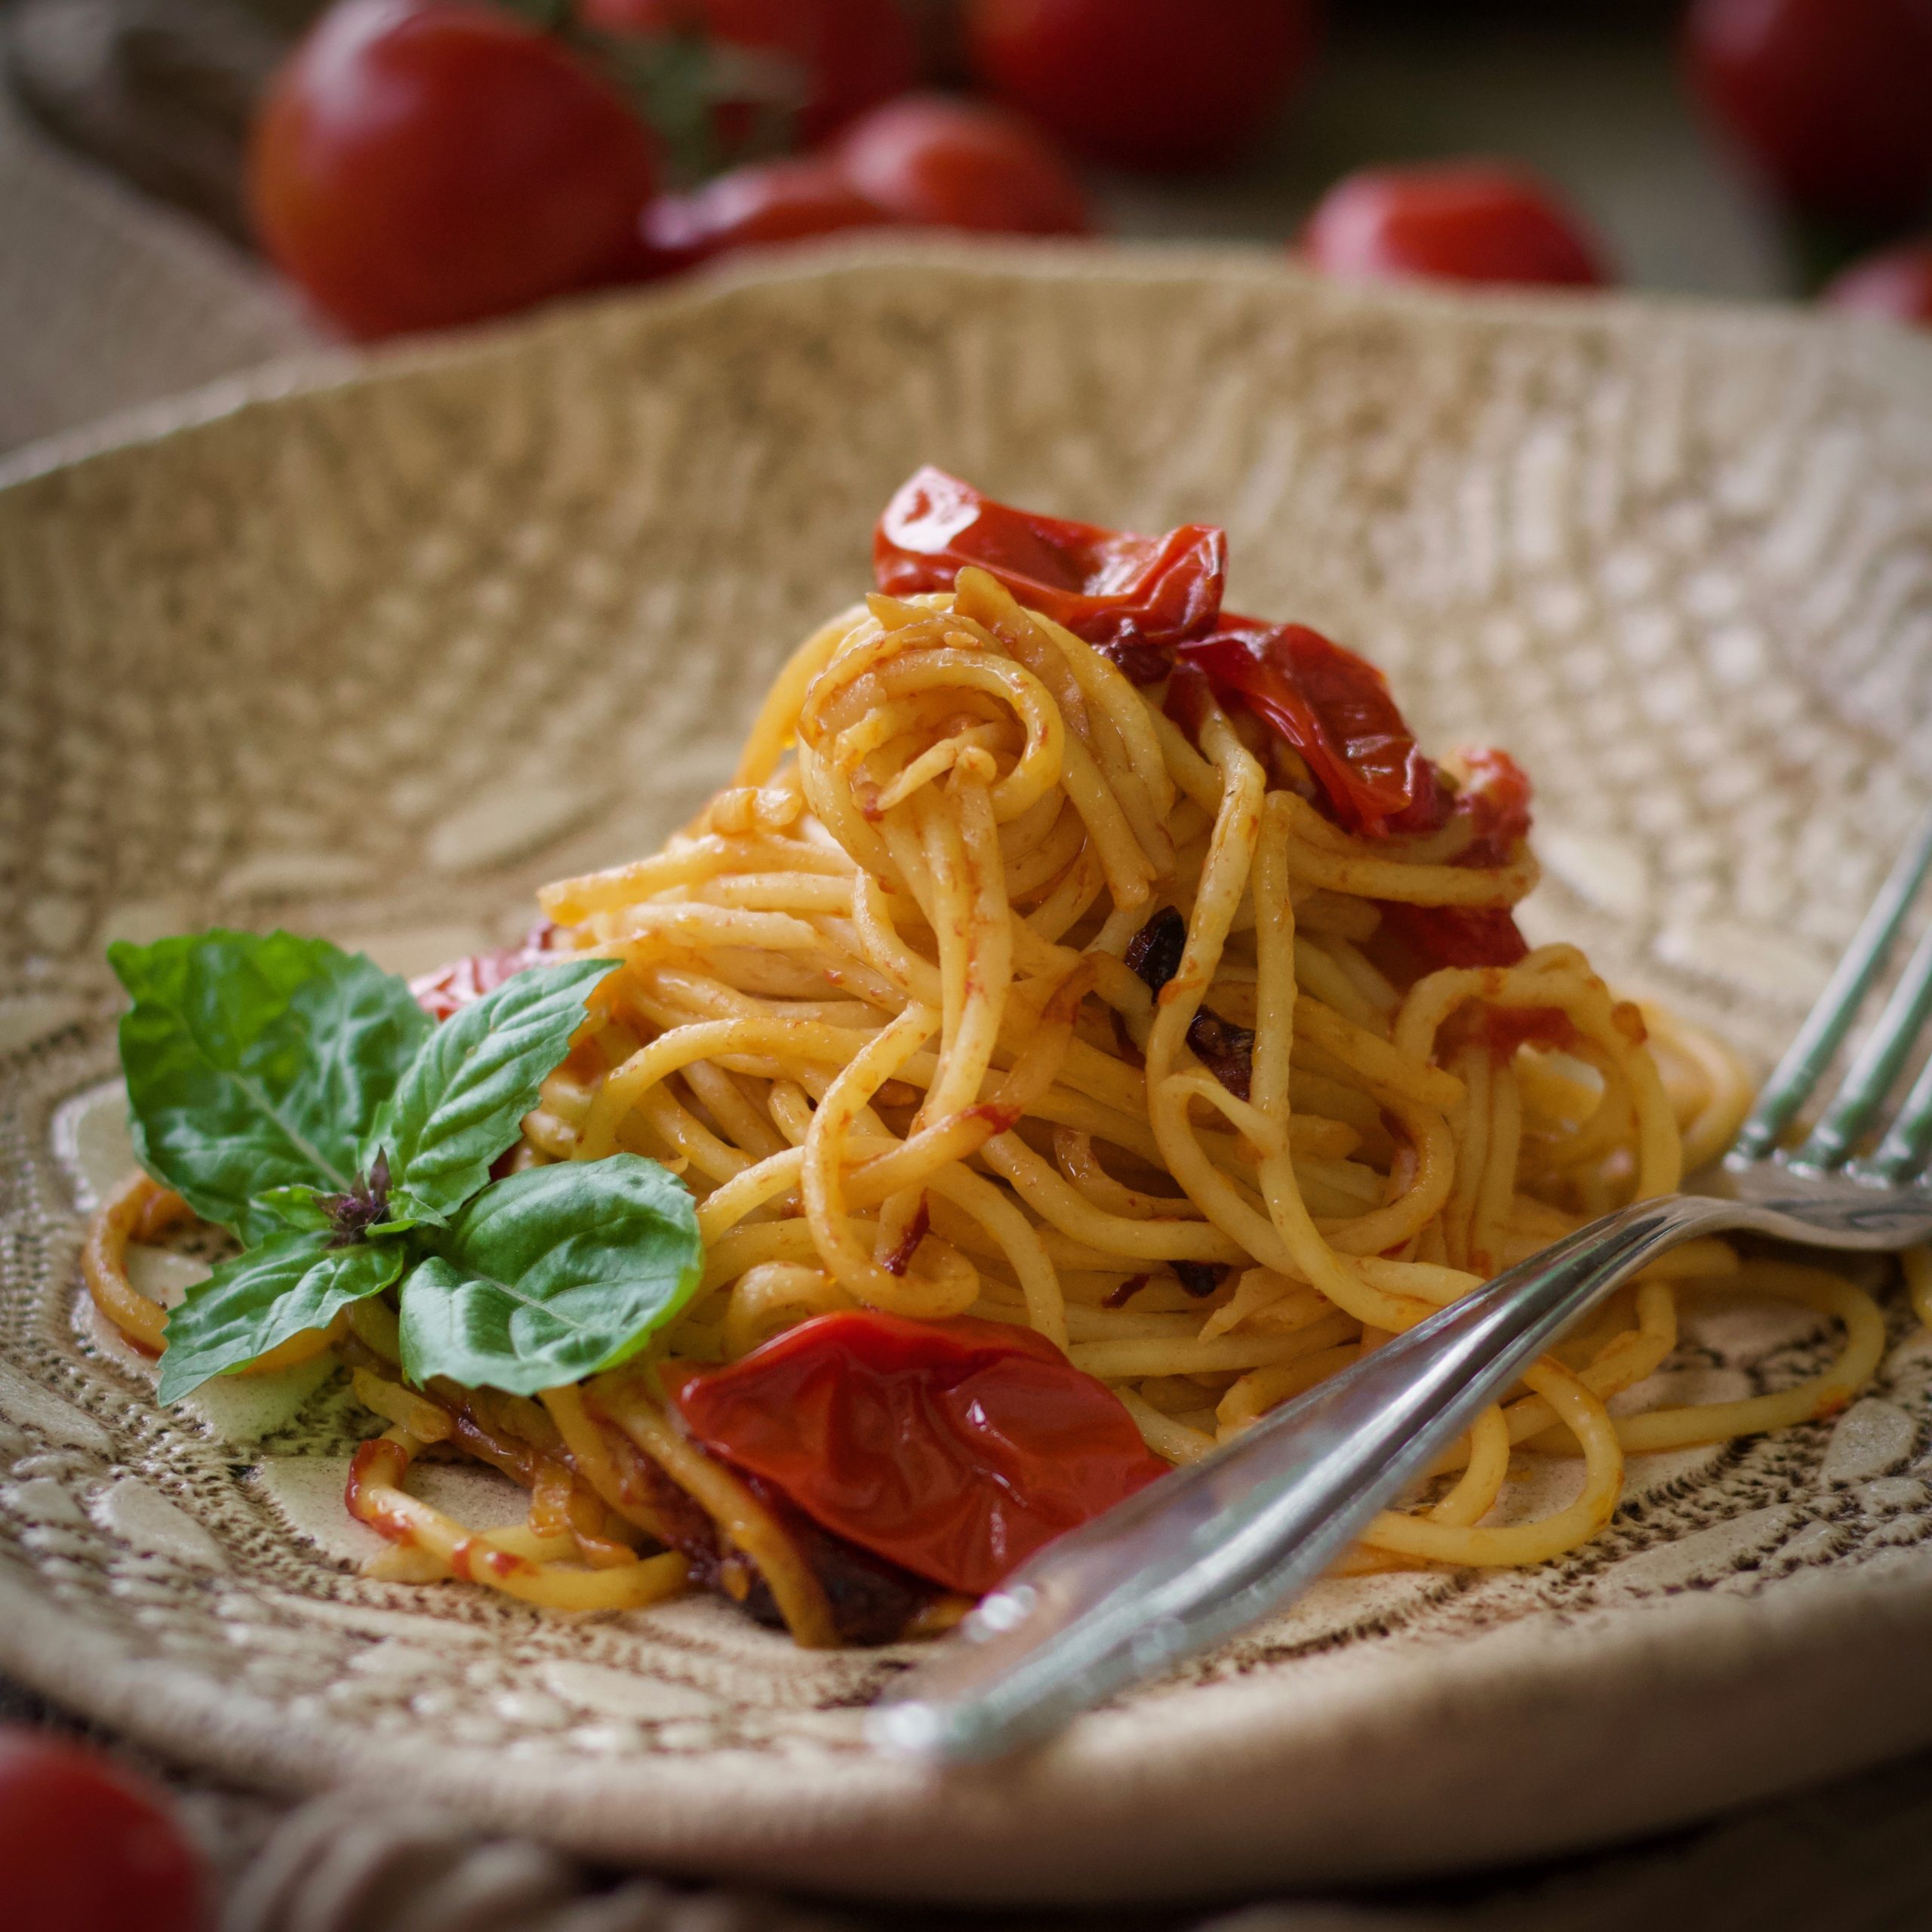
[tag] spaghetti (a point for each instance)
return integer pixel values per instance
(1070, 956)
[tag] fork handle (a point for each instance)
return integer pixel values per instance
(1221, 1542)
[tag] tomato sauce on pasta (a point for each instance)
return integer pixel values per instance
(1067, 958)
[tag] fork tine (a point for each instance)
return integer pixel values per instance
(1827, 1023)
(1875, 1065)
(1907, 1145)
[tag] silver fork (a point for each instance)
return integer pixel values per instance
(1221, 1543)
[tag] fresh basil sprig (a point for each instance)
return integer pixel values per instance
(298, 1095)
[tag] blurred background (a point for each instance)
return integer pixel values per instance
(188, 186)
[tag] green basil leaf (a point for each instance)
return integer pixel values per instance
(299, 1206)
(257, 1301)
(256, 1061)
(552, 1275)
(463, 1099)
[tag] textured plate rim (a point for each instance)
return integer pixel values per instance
(864, 1827)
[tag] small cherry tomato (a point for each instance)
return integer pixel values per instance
(958, 164)
(954, 1449)
(419, 164)
(1147, 83)
(844, 56)
(1831, 99)
(755, 206)
(1465, 221)
(1896, 282)
(86, 1846)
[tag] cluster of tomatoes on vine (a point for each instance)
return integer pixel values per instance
(424, 163)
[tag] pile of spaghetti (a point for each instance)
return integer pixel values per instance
(1075, 962)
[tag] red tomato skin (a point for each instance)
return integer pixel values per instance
(1506, 1028)
(954, 1449)
(1129, 596)
(421, 164)
(1459, 221)
(851, 54)
(1494, 797)
(1457, 935)
(1895, 283)
(755, 206)
(86, 1846)
(1832, 99)
(942, 163)
(1153, 83)
(1334, 708)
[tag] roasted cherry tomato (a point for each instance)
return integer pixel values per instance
(1147, 83)
(1152, 604)
(1831, 99)
(1493, 793)
(1456, 935)
(754, 207)
(1131, 596)
(1463, 221)
(1335, 709)
(958, 164)
(86, 1846)
(842, 56)
(1494, 796)
(1896, 282)
(954, 1449)
(422, 163)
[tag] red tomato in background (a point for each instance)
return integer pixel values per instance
(1147, 83)
(956, 164)
(1832, 99)
(1896, 282)
(87, 1847)
(1464, 221)
(848, 54)
(422, 163)
(754, 207)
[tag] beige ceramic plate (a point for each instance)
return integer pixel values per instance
(373, 656)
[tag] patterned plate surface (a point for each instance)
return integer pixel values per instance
(372, 656)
